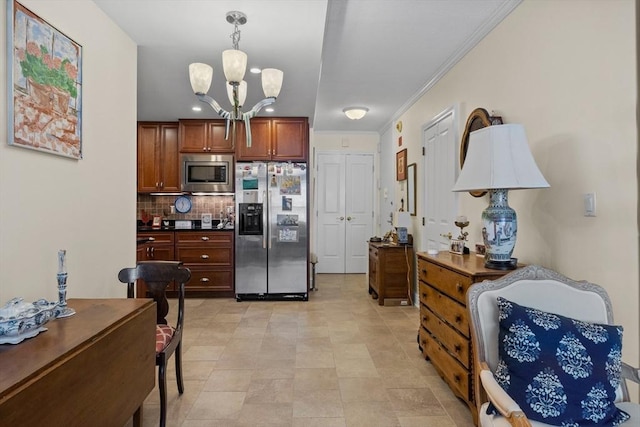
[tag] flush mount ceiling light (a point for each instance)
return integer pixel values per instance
(355, 113)
(234, 64)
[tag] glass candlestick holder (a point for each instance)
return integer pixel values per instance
(63, 310)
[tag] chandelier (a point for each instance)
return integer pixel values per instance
(234, 63)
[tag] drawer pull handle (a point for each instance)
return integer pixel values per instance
(152, 239)
(458, 319)
(424, 295)
(459, 287)
(205, 256)
(456, 378)
(457, 348)
(204, 279)
(205, 238)
(424, 271)
(425, 318)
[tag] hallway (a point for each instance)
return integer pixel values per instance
(337, 360)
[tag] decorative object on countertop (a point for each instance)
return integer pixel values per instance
(206, 221)
(20, 320)
(499, 160)
(63, 311)
(234, 63)
(462, 222)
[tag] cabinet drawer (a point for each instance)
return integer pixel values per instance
(205, 255)
(446, 308)
(214, 238)
(456, 344)
(447, 281)
(210, 280)
(449, 369)
(158, 237)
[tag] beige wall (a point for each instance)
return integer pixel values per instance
(566, 70)
(88, 206)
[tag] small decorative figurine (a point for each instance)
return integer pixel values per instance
(64, 311)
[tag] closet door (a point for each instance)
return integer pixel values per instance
(345, 211)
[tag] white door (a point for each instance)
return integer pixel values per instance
(345, 211)
(441, 145)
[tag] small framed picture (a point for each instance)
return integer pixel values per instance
(401, 165)
(480, 249)
(157, 221)
(456, 246)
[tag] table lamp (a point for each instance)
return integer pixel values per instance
(498, 160)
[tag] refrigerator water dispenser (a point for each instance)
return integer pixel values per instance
(250, 219)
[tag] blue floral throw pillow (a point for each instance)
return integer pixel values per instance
(560, 371)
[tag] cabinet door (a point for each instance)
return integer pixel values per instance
(193, 136)
(215, 136)
(169, 163)
(260, 141)
(290, 139)
(148, 157)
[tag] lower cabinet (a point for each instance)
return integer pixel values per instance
(444, 336)
(390, 267)
(208, 254)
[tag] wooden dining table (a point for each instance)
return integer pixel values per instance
(94, 368)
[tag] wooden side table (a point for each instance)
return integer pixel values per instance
(390, 271)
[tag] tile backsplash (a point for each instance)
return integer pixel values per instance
(161, 205)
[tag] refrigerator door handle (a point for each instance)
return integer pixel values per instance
(270, 222)
(264, 220)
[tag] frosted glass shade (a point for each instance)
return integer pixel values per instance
(499, 158)
(234, 63)
(242, 93)
(200, 77)
(355, 113)
(272, 82)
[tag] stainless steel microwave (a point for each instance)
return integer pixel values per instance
(206, 173)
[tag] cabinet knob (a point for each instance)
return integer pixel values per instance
(204, 279)
(456, 378)
(152, 252)
(152, 239)
(459, 287)
(457, 348)
(424, 271)
(425, 318)
(204, 256)
(458, 319)
(205, 238)
(161, 184)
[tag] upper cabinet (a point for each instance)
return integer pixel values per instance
(280, 139)
(204, 136)
(158, 157)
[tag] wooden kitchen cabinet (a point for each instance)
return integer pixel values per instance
(204, 136)
(444, 336)
(158, 168)
(209, 256)
(276, 139)
(390, 271)
(160, 247)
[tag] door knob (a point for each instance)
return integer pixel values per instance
(340, 218)
(350, 218)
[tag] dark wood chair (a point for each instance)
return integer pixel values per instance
(158, 275)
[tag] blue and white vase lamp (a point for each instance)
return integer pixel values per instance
(498, 160)
(63, 310)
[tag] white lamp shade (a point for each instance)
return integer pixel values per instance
(355, 113)
(499, 157)
(234, 63)
(200, 77)
(272, 82)
(242, 93)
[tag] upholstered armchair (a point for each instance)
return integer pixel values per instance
(547, 352)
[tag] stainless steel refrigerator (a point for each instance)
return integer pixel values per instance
(271, 231)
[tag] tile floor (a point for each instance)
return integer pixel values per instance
(338, 360)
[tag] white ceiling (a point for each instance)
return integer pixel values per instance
(381, 54)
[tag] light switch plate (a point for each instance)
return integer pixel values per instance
(590, 204)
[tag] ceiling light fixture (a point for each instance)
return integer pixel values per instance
(355, 113)
(234, 63)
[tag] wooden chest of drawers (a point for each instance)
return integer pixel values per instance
(444, 336)
(390, 270)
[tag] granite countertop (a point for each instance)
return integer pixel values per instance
(195, 227)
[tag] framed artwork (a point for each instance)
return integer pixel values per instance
(401, 165)
(411, 189)
(456, 246)
(44, 85)
(157, 221)
(481, 249)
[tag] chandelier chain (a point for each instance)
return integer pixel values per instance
(235, 36)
